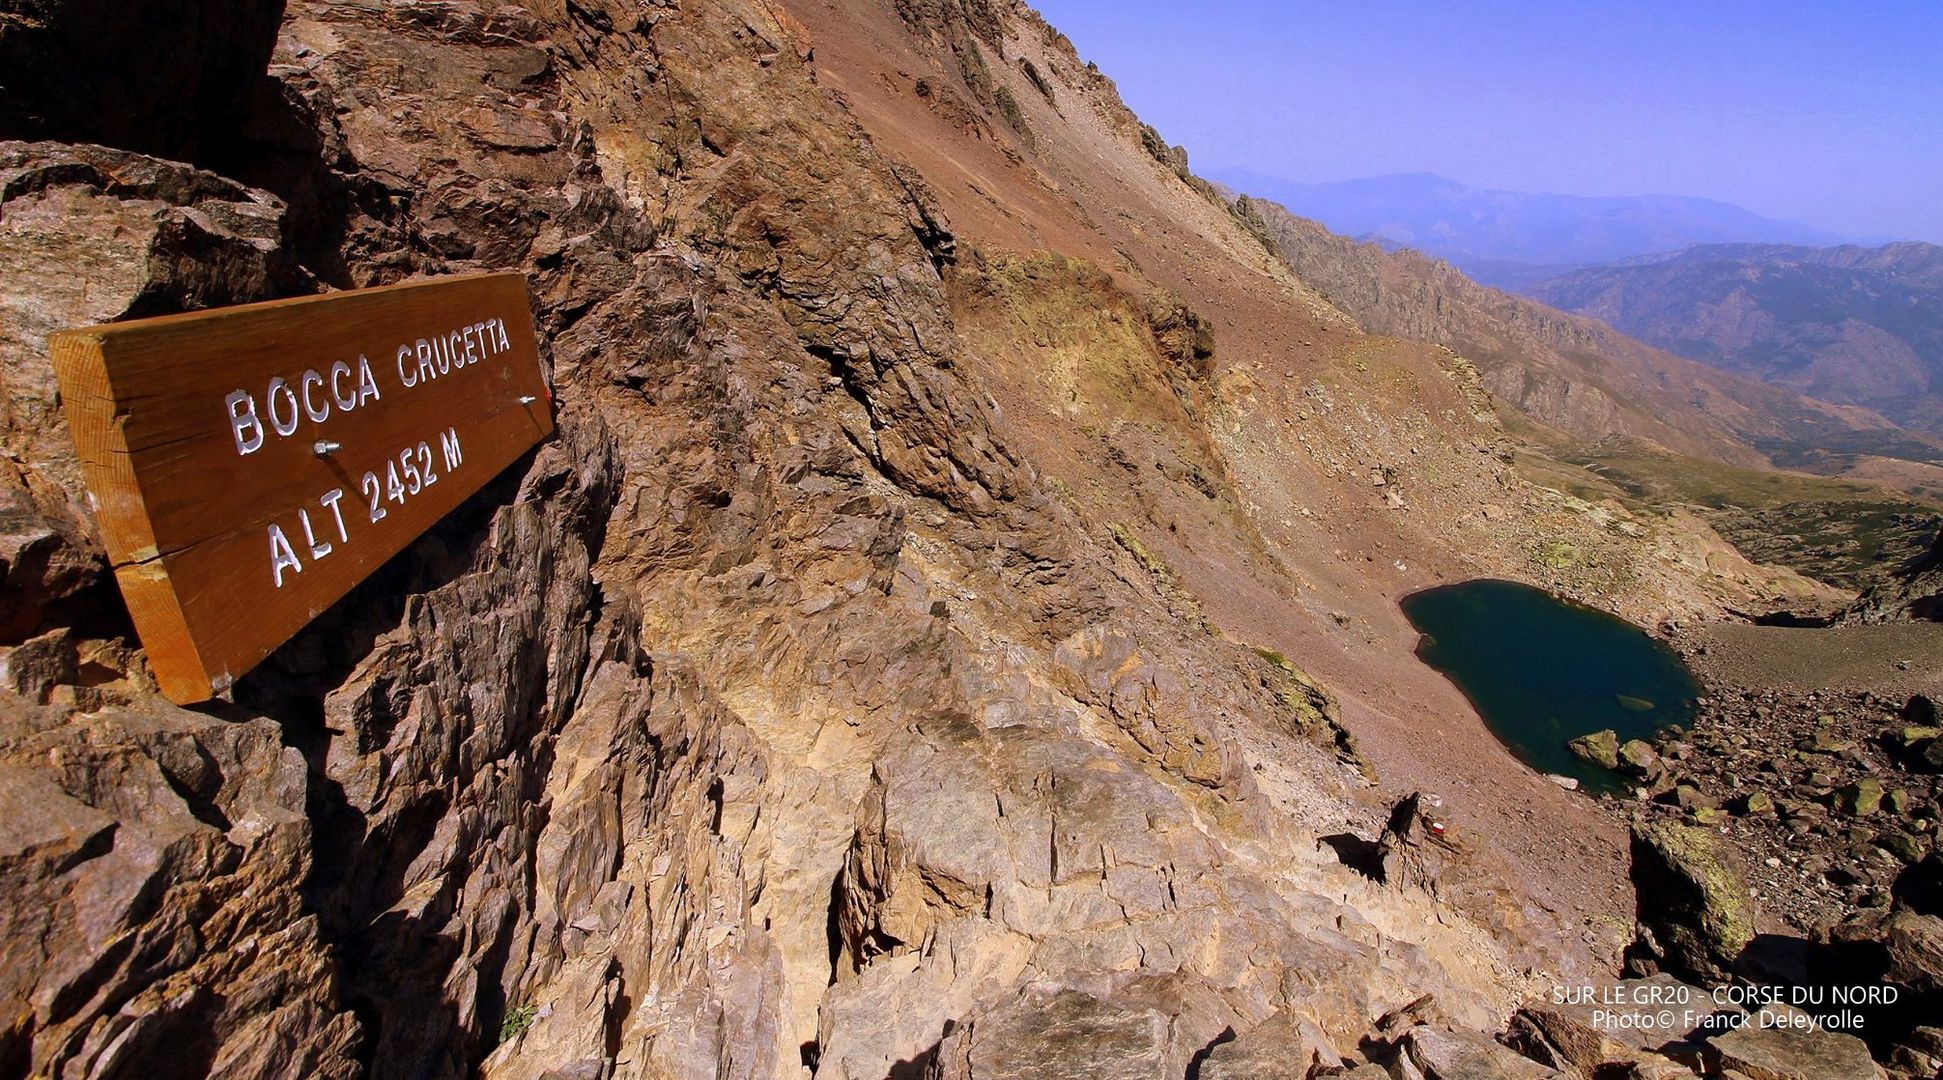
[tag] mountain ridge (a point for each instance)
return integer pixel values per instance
(1569, 371)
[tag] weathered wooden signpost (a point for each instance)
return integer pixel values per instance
(249, 465)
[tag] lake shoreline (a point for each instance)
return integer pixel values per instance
(1541, 670)
(1810, 718)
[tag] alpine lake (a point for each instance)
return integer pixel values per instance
(1542, 670)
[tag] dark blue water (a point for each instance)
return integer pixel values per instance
(1542, 670)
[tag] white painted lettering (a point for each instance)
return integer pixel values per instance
(449, 445)
(369, 485)
(403, 376)
(442, 352)
(282, 555)
(344, 400)
(472, 355)
(426, 369)
(330, 500)
(500, 329)
(243, 423)
(280, 393)
(367, 386)
(317, 549)
(413, 481)
(318, 414)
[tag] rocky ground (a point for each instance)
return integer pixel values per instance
(1815, 751)
(1831, 795)
(1789, 838)
(915, 653)
(798, 709)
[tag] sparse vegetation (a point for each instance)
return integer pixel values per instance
(516, 1021)
(1155, 146)
(1038, 80)
(1150, 562)
(1182, 334)
(1008, 108)
(971, 68)
(1314, 709)
(1556, 554)
(1837, 531)
(1182, 602)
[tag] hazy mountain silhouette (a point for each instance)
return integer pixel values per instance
(1498, 236)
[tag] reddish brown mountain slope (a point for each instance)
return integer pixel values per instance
(866, 664)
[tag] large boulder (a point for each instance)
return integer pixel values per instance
(1063, 1033)
(1921, 710)
(1860, 799)
(1601, 748)
(1692, 899)
(1914, 944)
(1638, 759)
(1465, 1055)
(1286, 1046)
(1628, 1023)
(150, 905)
(1792, 1053)
(91, 235)
(1919, 1053)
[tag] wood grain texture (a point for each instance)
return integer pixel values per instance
(223, 554)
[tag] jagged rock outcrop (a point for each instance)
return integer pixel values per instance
(776, 715)
(1623, 1026)
(1283, 1047)
(1695, 913)
(90, 234)
(1437, 1054)
(1067, 1033)
(154, 864)
(1780, 1053)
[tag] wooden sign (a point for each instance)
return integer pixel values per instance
(250, 465)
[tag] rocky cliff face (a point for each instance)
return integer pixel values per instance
(771, 718)
(863, 664)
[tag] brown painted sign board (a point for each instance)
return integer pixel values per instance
(249, 465)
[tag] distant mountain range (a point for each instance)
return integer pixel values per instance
(1573, 373)
(1510, 238)
(1852, 325)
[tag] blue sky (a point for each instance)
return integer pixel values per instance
(1826, 113)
